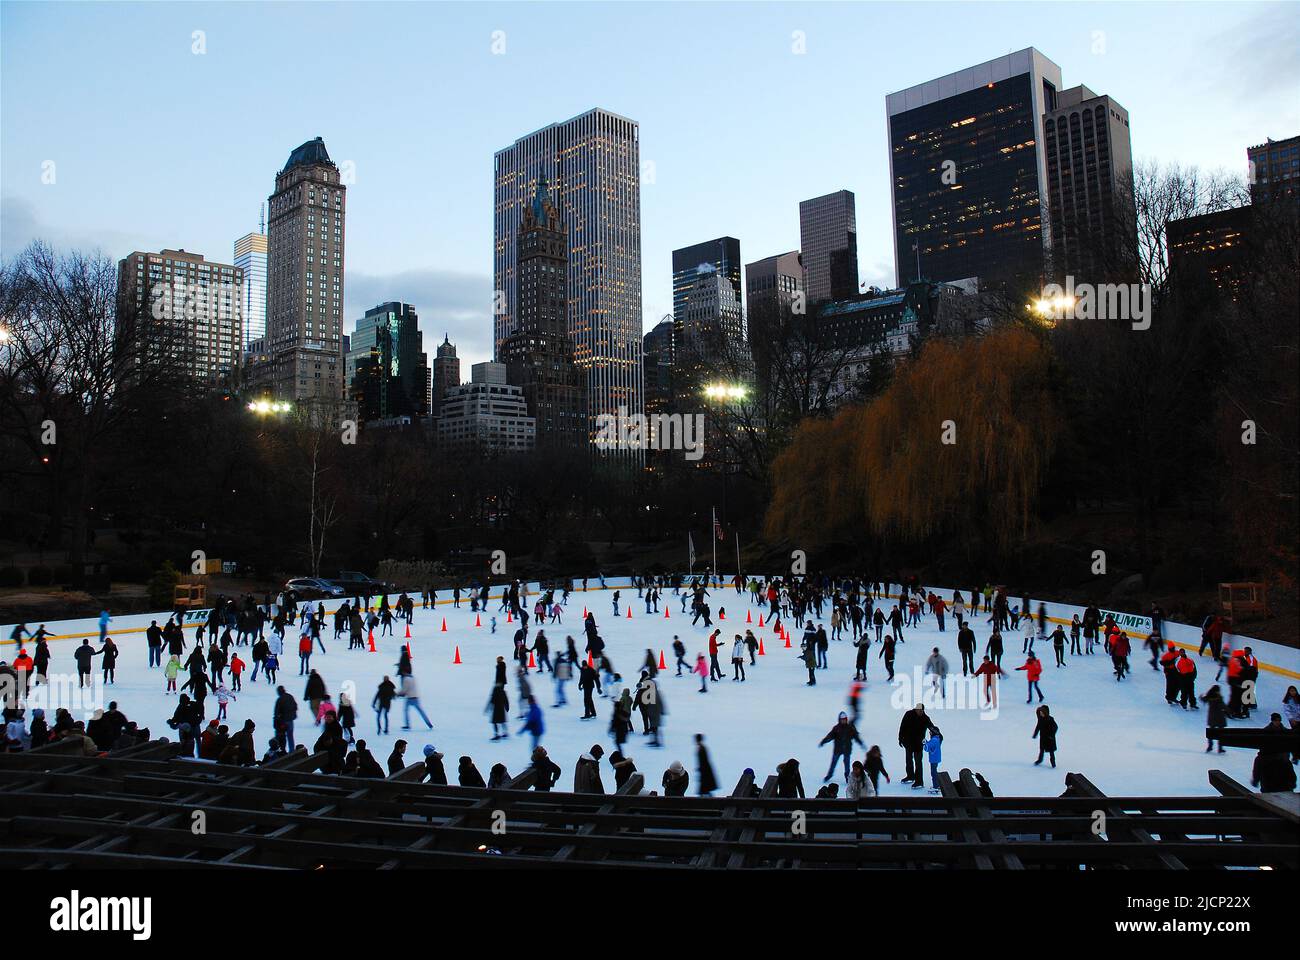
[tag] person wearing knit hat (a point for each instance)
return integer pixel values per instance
(676, 780)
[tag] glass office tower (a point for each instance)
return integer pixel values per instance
(968, 173)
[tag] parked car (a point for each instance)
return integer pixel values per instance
(313, 588)
(355, 584)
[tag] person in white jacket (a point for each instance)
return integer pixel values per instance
(738, 659)
(859, 784)
(1027, 624)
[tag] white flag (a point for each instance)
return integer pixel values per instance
(690, 549)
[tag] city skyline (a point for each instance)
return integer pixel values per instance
(420, 227)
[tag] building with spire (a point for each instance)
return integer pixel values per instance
(446, 373)
(538, 354)
(305, 239)
(592, 165)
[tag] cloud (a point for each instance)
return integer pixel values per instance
(1261, 51)
(458, 305)
(22, 225)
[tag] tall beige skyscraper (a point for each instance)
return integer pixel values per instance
(305, 240)
(593, 168)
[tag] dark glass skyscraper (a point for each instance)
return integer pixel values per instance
(723, 254)
(968, 173)
(387, 369)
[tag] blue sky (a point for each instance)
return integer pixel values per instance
(156, 146)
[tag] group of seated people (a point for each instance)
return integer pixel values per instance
(106, 730)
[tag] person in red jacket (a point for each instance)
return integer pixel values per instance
(1169, 663)
(304, 654)
(1033, 668)
(990, 671)
(23, 668)
(1185, 667)
(236, 668)
(1119, 651)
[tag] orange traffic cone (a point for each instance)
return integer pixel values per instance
(761, 651)
(749, 616)
(532, 661)
(444, 625)
(584, 613)
(510, 616)
(408, 631)
(722, 614)
(663, 664)
(666, 617)
(787, 641)
(457, 660)
(629, 613)
(478, 620)
(372, 642)
(760, 619)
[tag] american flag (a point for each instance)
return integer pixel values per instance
(717, 529)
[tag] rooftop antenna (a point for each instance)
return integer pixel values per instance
(261, 218)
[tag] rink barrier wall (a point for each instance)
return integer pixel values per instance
(1138, 626)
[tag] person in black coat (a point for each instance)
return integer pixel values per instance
(433, 768)
(396, 759)
(1217, 714)
(548, 772)
(499, 706)
(588, 683)
(84, 656)
(911, 737)
(1045, 731)
(789, 785)
(844, 734)
(469, 775)
(707, 781)
(676, 780)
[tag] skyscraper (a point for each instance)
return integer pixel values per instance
(828, 236)
(592, 163)
(387, 369)
(968, 174)
(304, 335)
(183, 309)
(1089, 184)
(446, 374)
(772, 279)
(657, 359)
(709, 337)
(539, 354)
(250, 256)
(723, 254)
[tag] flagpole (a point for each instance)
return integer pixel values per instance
(737, 551)
(714, 536)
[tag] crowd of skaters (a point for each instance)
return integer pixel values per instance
(860, 611)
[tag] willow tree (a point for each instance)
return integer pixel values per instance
(961, 441)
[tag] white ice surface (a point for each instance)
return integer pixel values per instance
(1121, 735)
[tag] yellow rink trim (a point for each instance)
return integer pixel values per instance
(1271, 668)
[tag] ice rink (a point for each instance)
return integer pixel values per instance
(1121, 735)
